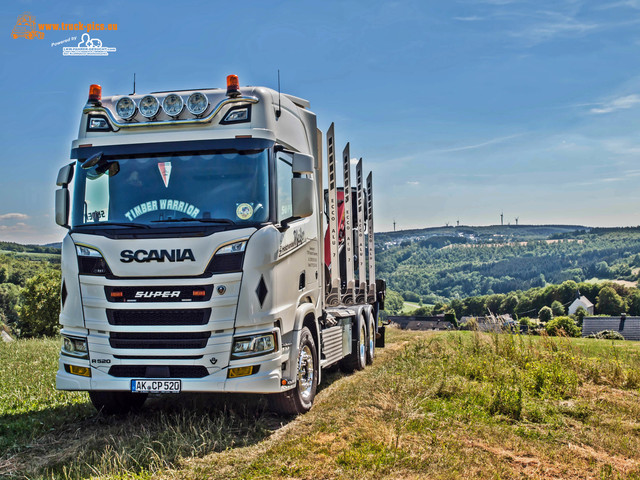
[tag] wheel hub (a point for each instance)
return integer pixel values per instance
(305, 372)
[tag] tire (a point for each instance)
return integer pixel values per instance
(371, 338)
(117, 403)
(357, 359)
(300, 398)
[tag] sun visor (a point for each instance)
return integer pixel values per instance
(226, 145)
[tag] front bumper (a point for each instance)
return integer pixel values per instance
(266, 380)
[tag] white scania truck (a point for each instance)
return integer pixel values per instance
(195, 259)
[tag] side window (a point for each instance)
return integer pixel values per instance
(284, 175)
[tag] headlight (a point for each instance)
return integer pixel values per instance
(83, 251)
(172, 105)
(125, 108)
(91, 261)
(237, 247)
(228, 258)
(149, 106)
(254, 345)
(75, 347)
(197, 103)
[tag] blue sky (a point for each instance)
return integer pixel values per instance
(463, 109)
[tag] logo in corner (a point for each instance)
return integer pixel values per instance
(26, 27)
(89, 47)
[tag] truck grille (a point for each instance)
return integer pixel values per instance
(159, 317)
(171, 340)
(182, 293)
(158, 371)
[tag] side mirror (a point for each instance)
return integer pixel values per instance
(302, 163)
(65, 175)
(302, 195)
(62, 207)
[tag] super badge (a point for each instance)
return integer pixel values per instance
(244, 211)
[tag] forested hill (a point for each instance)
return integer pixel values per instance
(470, 234)
(52, 248)
(455, 262)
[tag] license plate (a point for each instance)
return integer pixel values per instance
(156, 386)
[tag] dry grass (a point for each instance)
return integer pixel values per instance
(434, 405)
(447, 406)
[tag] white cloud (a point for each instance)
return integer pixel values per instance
(625, 3)
(619, 103)
(473, 18)
(493, 141)
(13, 216)
(559, 26)
(18, 227)
(413, 183)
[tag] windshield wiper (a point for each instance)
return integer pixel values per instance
(119, 224)
(203, 220)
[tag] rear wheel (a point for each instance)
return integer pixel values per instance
(113, 403)
(300, 398)
(371, 338)
(357, 359)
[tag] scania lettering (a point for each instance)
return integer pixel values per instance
(142, 256)
(204, 254)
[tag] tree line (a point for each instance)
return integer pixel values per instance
(436, 271)
(30, 294)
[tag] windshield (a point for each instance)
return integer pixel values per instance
(158, 189)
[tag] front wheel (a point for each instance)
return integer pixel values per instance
(300, 398)
(117, 403)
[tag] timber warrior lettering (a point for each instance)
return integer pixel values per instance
(143, 256)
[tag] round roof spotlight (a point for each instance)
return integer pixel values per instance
(125, 108)
(172, 105)
(197, 103)
(149, 106)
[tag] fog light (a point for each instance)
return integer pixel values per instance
(242, 371)
(82, 371)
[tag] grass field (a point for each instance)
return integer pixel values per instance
(433, 405)
(408, 307)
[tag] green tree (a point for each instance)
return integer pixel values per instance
(580, 314)
(38, 314)
(609, 302)
(509, 304)
(633, 303)
(566, 324)
(4, 273)
(393, 302)
(9, 298)
(557, 308)
(545, 314)
(450, 316)
(439, 308)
